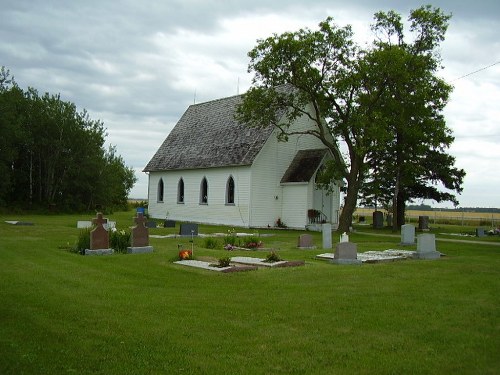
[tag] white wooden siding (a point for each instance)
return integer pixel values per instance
(216, 211)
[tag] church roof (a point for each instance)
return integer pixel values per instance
(304, 165)
(208, 136)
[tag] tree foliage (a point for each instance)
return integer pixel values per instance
(383, 102)
(51, 154)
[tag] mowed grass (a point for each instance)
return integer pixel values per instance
(142, 314)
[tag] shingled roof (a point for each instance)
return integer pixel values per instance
(303, 165)
(208, 136)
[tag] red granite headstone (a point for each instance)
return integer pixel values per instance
(140, 233)
(99, 237)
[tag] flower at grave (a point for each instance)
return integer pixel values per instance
(254, 244)
(185, 254)
(229, 247)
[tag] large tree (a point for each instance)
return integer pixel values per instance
(348, 88)
(412, 161)
(51, 154)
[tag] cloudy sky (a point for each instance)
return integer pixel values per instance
(137, 65)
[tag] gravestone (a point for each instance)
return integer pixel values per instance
(83, 224)
(99, 237)
(188, 229)
(361, 219)
(423, 222)
(344, 237)
(407, 234)
(151, 224)
(378, 219)
(305, 242)
(109, 225)
(169, 224)
(139, 236)
(480, 232)
(426, 247)
(326, 230)
(346, 253)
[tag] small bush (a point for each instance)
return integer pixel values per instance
(210, 243)
(252, 242)
(223, 262)
(231, 239)
(119, 240)
(273, 257)
(83, 241)
(280, 224)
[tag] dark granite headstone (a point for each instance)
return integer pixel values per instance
(188, 229)
(480, 232)
(378, 219)
(99, 237)
(151, 224)
(169, 224)
(140, 234)
(423, 222)
(305, 241)
(361, 219)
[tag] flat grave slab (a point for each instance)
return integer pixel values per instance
(15, 222)
(207, 266)
(262, 262)
(390, 255)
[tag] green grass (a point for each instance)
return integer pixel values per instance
(142, 314)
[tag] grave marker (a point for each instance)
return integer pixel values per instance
(139, 236)
(426, 247)
(326, 230)
(346, 253)
(378, 219)
(188, 229)
(99, 238)
(407, 234)
(423, 222)
(305, 242)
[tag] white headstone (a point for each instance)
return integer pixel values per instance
(327, 235)
(407, 234)
(82, 224)
(426, 247)
(344, 237)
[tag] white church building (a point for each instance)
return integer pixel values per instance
(211, 169)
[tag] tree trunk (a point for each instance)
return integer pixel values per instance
(351, 198)
(401, 209)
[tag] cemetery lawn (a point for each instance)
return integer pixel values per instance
(141, 314)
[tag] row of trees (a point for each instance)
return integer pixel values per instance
(385, 102)
(53, 155)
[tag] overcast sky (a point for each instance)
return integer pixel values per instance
(137, 65)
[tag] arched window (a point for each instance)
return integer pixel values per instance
(160, 190)
(230, 190)
(180, 191)
(204, 191)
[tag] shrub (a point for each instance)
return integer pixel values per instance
(83, 241)
(119, 240)
(272, 257)
(280, 224)
(223, 262)
(231, 239)
(210, 243)
(252, 242)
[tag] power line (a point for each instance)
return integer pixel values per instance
(476, 71)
